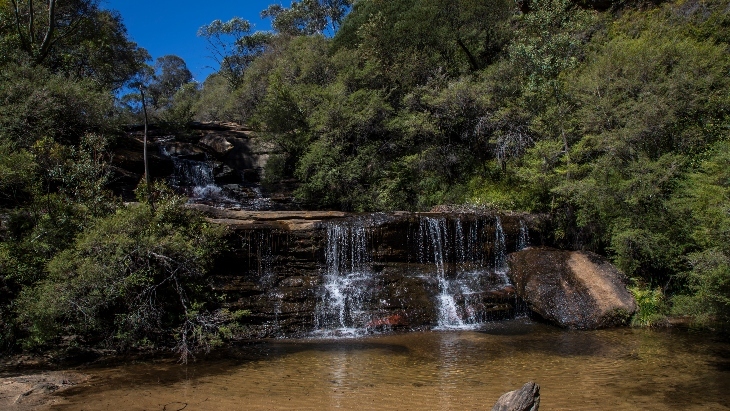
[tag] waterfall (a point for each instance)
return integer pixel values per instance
(500, 251)
(192, 173)
(453, 256)
(347, 278)
(436, 231)
(523, 241)
(196, 179)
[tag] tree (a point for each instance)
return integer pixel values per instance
(234, 46)
(40, 26)
(134, 276)
(73, 37)
(414, 40)
(171, 74)
(308, 17)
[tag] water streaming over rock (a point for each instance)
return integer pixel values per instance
(435, 237)
(523, 240)
(500, 251)
(347, 280)
(196, 179)
(377, 272)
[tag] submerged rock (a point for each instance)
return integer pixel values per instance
(574, 289)
(526, 398)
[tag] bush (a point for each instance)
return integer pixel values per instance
(131, 278)
(651, 307)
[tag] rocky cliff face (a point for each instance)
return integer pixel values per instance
(333, 272)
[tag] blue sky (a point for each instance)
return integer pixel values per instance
(170, 27)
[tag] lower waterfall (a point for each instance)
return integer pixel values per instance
(347, 281)
(465, 260)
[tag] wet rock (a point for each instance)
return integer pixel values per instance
(128, 166)
(251, 175)
(395, 320)
(226, 175)
(35, 391)
(574, 289)
(526, 398)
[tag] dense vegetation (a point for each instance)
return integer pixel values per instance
(613, 117)
(74, 261)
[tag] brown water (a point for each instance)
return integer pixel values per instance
(620, 369)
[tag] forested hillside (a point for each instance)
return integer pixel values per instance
(611, 117)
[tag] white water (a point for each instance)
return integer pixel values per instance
(347, 278)
(455, 249)
(196, 178)
(436, 232)
(524, 239)
(500, 252)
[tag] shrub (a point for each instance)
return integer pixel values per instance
(651, 307)
(132, 277)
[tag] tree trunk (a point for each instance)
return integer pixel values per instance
(472, 60)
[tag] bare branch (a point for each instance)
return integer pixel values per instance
(24, 43)
(46, 45)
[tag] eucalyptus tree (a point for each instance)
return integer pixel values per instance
(308, 17)
(234, 46)
(71, 37)
(171, 74)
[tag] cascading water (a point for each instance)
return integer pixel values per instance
(461, 262)
(347, 281)
(500, 251)
(435, 230)
(456, 248)
(196, 179)
(523, 241)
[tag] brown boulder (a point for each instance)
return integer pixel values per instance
(574, 289)
(526, 398)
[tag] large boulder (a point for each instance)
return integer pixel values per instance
(574, 289)
(526, 398)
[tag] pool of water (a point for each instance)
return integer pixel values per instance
(618, 369)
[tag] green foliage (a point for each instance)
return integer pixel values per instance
(234, 47)
(171, 74)
(704, 200)
(180, 110)
(55, 113)
(17, 170)
(708, 289)
(306, 17)
(34, 103)
(651, 307)
(131, 276)
(409, 41)
(213, 102)
(72, 38)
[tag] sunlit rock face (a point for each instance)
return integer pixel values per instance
(341, 274)
(572, 289)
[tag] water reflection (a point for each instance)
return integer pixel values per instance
(620, 369)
